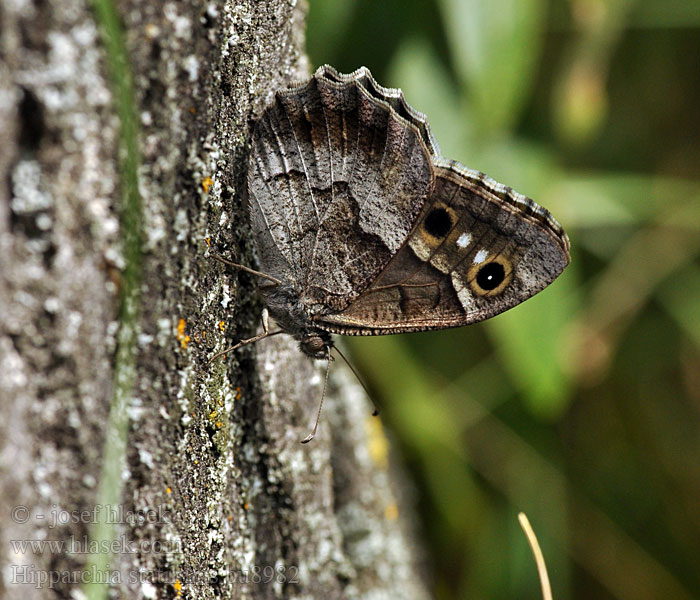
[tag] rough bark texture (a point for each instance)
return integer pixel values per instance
(213, 455)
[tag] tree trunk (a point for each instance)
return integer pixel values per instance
(123, 152)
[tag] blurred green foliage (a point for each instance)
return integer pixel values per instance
(581, 406)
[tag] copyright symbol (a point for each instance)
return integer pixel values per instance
(20, 514)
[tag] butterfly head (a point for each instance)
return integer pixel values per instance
(316, 344)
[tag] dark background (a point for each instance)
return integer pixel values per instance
(581, 406)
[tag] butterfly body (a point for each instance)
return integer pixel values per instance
(295, 317)
(368, 230)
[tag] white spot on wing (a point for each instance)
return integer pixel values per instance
(480, 256)
(464, 239)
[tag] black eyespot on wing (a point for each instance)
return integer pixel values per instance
(490, 276)
(488, 279)
(438, 222)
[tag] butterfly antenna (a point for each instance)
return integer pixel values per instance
(375, 412)
(311, 436)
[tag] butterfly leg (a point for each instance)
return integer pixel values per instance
(247, 269)
(257, 338)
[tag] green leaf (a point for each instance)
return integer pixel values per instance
(680, 299)
(495, 48)
(327, 23)
(530, 339)
(413, 65)
(657, 14)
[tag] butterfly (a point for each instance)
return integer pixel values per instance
(363, 228)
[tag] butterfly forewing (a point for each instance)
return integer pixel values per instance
(336, 182)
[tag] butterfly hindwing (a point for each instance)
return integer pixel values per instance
(476, 249)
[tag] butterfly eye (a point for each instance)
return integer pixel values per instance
(490, 278)
(438, 222)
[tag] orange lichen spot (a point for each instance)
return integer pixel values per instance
(245, 506)
(238, 393)
(178, 587)
(222, 326)
(168, 490)
(391, 512)
(219, 424)
(212, 414)
(192, 109)
(204, 334)
(196, 462)
(208, 241)
(206, 184)
(182, 338)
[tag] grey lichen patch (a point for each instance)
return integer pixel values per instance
(58, 286)
(188, 391)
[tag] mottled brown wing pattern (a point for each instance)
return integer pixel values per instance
(477, 249)
(337, 179)
(370, 231)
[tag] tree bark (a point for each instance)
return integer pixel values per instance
(214, 496)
